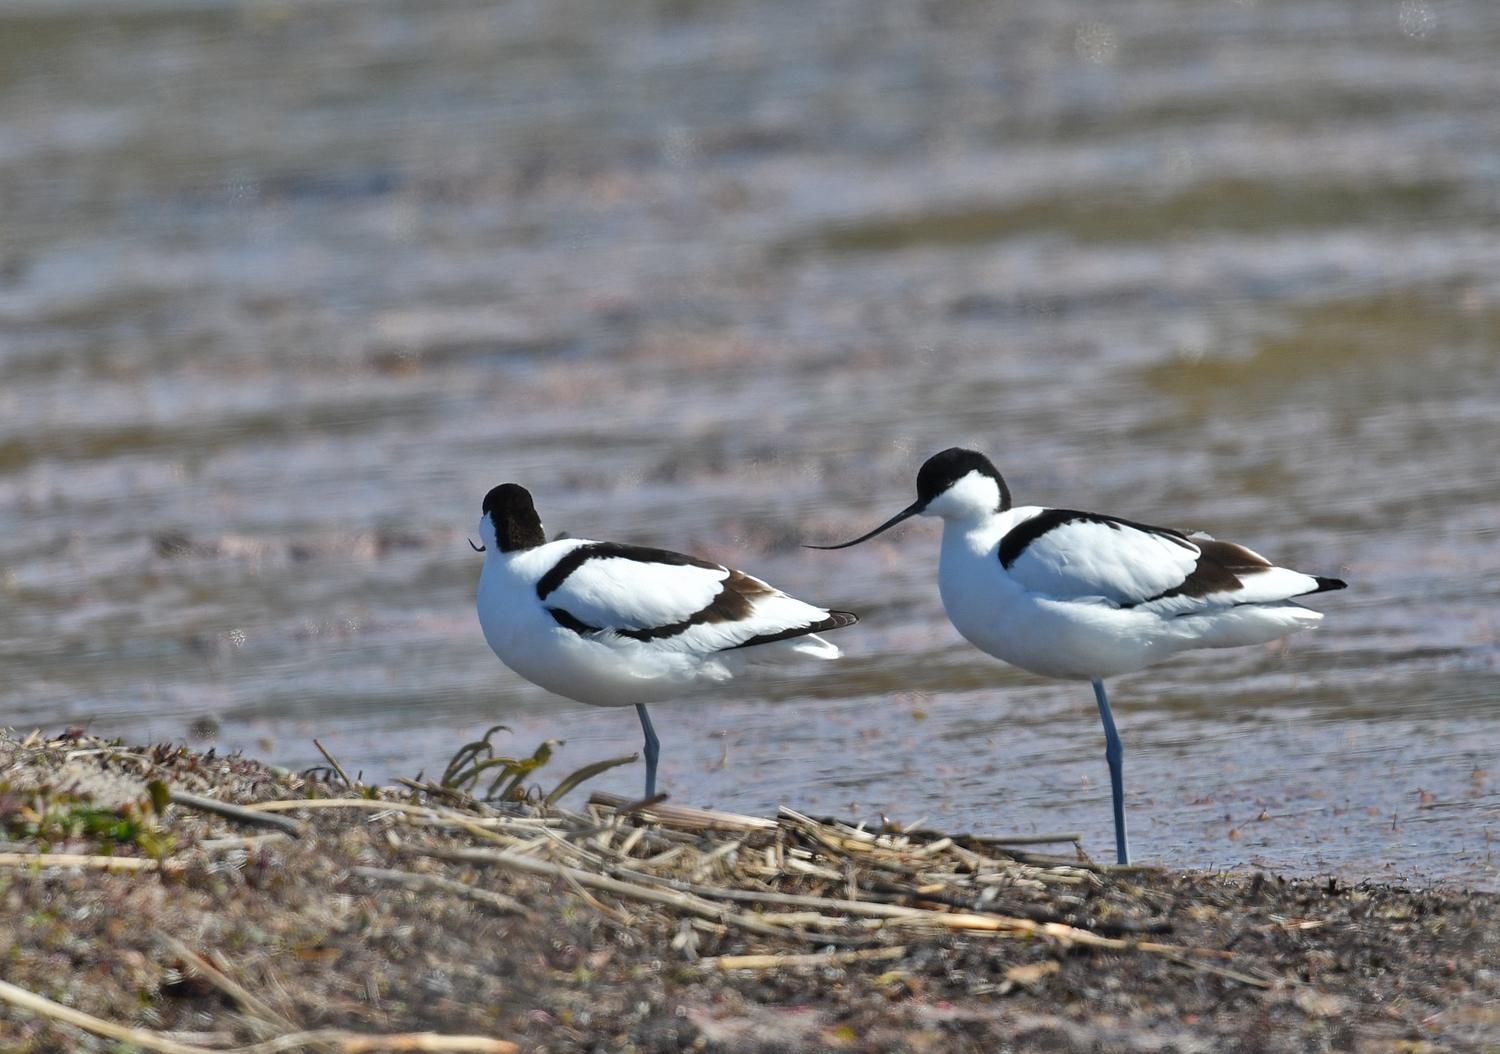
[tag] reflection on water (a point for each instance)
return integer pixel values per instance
(286, 287)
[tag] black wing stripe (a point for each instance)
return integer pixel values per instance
(1023, 534)
(733, 604)
(617, 550)
(835, 620)
(567, 620)
(1220, 565)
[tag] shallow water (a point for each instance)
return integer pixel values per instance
(285, 287)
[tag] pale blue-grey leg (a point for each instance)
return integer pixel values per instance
(1114, 753)
(653, 749)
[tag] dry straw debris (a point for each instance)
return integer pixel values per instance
(177, 901)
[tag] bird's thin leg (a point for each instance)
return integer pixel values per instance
(1114, 753)
(653, 749)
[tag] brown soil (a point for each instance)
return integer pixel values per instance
(246, 935)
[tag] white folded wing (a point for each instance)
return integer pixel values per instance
(690, 607)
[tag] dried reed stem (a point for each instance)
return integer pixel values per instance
(344, 1042)
(96, 863)
(237, 812)
(334, 762)
(670, 898)
(685, 815)
(771, 962)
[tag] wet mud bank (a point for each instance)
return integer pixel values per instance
(192, 901)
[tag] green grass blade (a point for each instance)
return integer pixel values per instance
(588, 772)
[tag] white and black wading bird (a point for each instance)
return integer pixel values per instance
(623, 625)
(1084, 596)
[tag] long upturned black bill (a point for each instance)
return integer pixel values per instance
(906, 513)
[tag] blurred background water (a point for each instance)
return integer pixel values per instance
(287, 285)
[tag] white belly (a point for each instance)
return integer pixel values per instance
(622, 672)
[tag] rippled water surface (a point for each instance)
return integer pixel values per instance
(286, 286)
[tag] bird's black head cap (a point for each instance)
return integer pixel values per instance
(517, 526)
(941, 471)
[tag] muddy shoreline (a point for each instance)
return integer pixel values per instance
(344, 913)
